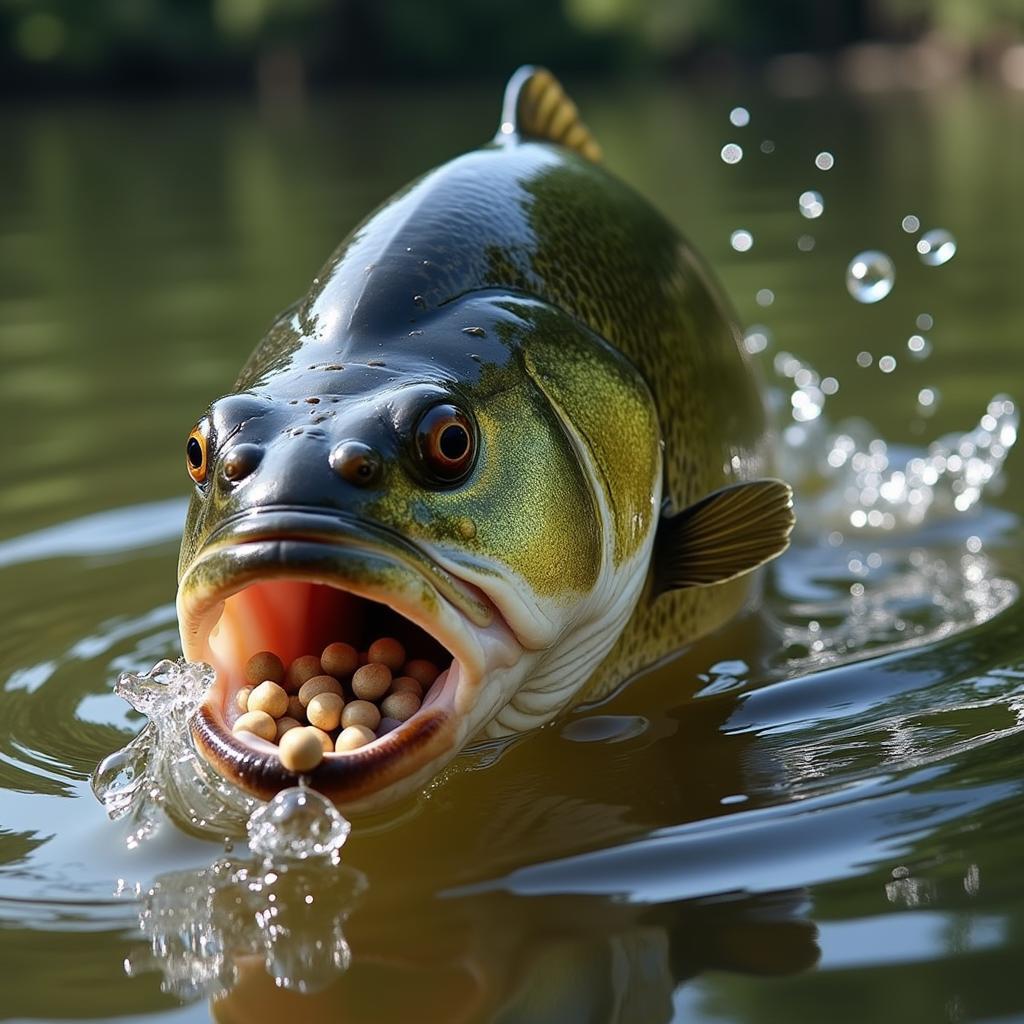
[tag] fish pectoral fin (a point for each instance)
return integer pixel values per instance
(537, 107)
(724, 535)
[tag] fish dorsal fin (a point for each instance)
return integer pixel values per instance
(537, 107)
(724, 535)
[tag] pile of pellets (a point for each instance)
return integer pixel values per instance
(339, 701)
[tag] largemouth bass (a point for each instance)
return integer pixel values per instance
(512, 424)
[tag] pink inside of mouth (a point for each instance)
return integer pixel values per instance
(293, 618)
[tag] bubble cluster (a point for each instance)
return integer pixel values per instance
(870, 276)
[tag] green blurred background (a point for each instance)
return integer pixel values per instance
(284, 46)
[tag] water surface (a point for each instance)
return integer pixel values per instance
(770, 827)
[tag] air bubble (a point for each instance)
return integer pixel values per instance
(924, 321)
(870, 276)
(829, 385)
(927, 400)
(805, 243)
(741, 240)
(767, 147)
(824, 161)
(887, 364)
(911, 224)
(731, 153)
(756, 339)
(811, 204)
(764, 297)
(936, 247)
(864, 359)
(739, 116)
(920, 347)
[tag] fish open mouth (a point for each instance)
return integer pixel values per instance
(292, 582)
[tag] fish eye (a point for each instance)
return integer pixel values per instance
(447, 442)
(197, 453)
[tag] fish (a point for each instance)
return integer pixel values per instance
(512, 424)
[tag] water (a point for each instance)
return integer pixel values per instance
(773, 826)
(870, 276)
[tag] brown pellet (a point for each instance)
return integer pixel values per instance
(264, 665)
(324, 711)
(371, 681)
(353, 737)
(296, 709)
(268, 697)
(286, 725)
(257, 722)
(242, 698)
(400, 705)
(386, 651)
(340, 660)
(326, 743)
(406, 684)
(423, 671)
(300, 670)
(360, 712)
(301, 750)
(319, 684)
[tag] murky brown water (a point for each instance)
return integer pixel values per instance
(760, 830)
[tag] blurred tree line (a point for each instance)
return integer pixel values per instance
(198, 43)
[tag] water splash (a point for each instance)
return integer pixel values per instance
(202, 924)
(160, 771)
(297, 824)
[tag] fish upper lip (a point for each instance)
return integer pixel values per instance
(295, 523)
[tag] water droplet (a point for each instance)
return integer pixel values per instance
(805, 243)
(824, 161)
(927, 400)
(919, 346)
(811, 204)
(936, 247)
(887, 364)
(910, 224)
(741, 240)
(298, 823)
(765, 297)
(870, 276)
(739, 116)
(731, 153)
(756, 339)
(767, 146)
(925, 322)
(864, 359)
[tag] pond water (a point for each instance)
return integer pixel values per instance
(815, 811)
